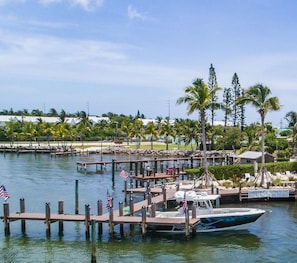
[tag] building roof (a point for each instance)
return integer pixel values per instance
(252, 155)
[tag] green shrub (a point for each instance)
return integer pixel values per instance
(224, 172)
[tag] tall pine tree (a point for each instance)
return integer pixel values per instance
(212, 83)
(242, 112)
(236, 92)
(227, 105)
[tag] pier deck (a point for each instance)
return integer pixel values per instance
(112, 217)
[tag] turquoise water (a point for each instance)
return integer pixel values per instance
(42, 178)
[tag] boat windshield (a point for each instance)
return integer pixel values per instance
(204, 204)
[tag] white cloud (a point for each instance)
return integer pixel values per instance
(47, 2)
(88, 5)
(134, 14)
(5, 2)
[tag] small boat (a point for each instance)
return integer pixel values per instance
(211, 219)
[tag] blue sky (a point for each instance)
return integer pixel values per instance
(123, 56)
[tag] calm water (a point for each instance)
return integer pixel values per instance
(40, 179)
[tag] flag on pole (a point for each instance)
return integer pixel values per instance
(109, 200)
(3, 192)
(124, 174)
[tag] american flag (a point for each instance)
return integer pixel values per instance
(124, 174)
(3, 192)
(109, 201)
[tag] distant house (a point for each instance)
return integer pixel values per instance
(35, 119)
(250, 157)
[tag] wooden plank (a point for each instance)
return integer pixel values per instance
(156, 176)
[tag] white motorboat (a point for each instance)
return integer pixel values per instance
(211, 219)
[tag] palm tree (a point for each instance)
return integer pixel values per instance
(251, 136)
(152, 131)
(137, 131)
(258, 96)
(198, 97)
(166, 130)
(291, 117)
(190, 133)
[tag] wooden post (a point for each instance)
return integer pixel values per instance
(121, 213)
(47, 219)
(131, 204)
(164, 196)
(6, 220)
(99, 213)
(149, 198)
(112, 169)
(194, 216)
(187, 221)
(22, 210)
(125, 190)
(121, 209)
(156, 166)
(76, 197)
(153, 207)
(147, 190)
(110, 220)
(93, 257)
(141, 170)
(87, 221)
(61, 212)
(143, 220)
(131, 181)
(136, 170)
(194, 211)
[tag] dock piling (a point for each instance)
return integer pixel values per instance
(76, 197)
(111, 220)
(131, 204)
(22, 210)
(153, 208)
(143, 220)
(187, 223)
(93, 257)
(47, 219)
(6, 221)
(87, 220)
(60, 212)
(125, 189)
(121, 213)
(194, 216)
(99, 213)
(164, 196)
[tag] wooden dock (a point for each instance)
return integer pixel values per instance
(123, 215)
(177, 166)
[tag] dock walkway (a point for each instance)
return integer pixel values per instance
(124, 215)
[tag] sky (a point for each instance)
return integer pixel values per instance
(120, 56)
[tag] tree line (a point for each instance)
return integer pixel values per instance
(198, 134)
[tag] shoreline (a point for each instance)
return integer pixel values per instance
(95, 148)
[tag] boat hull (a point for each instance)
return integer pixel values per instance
(230, 222)
(218, 220)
